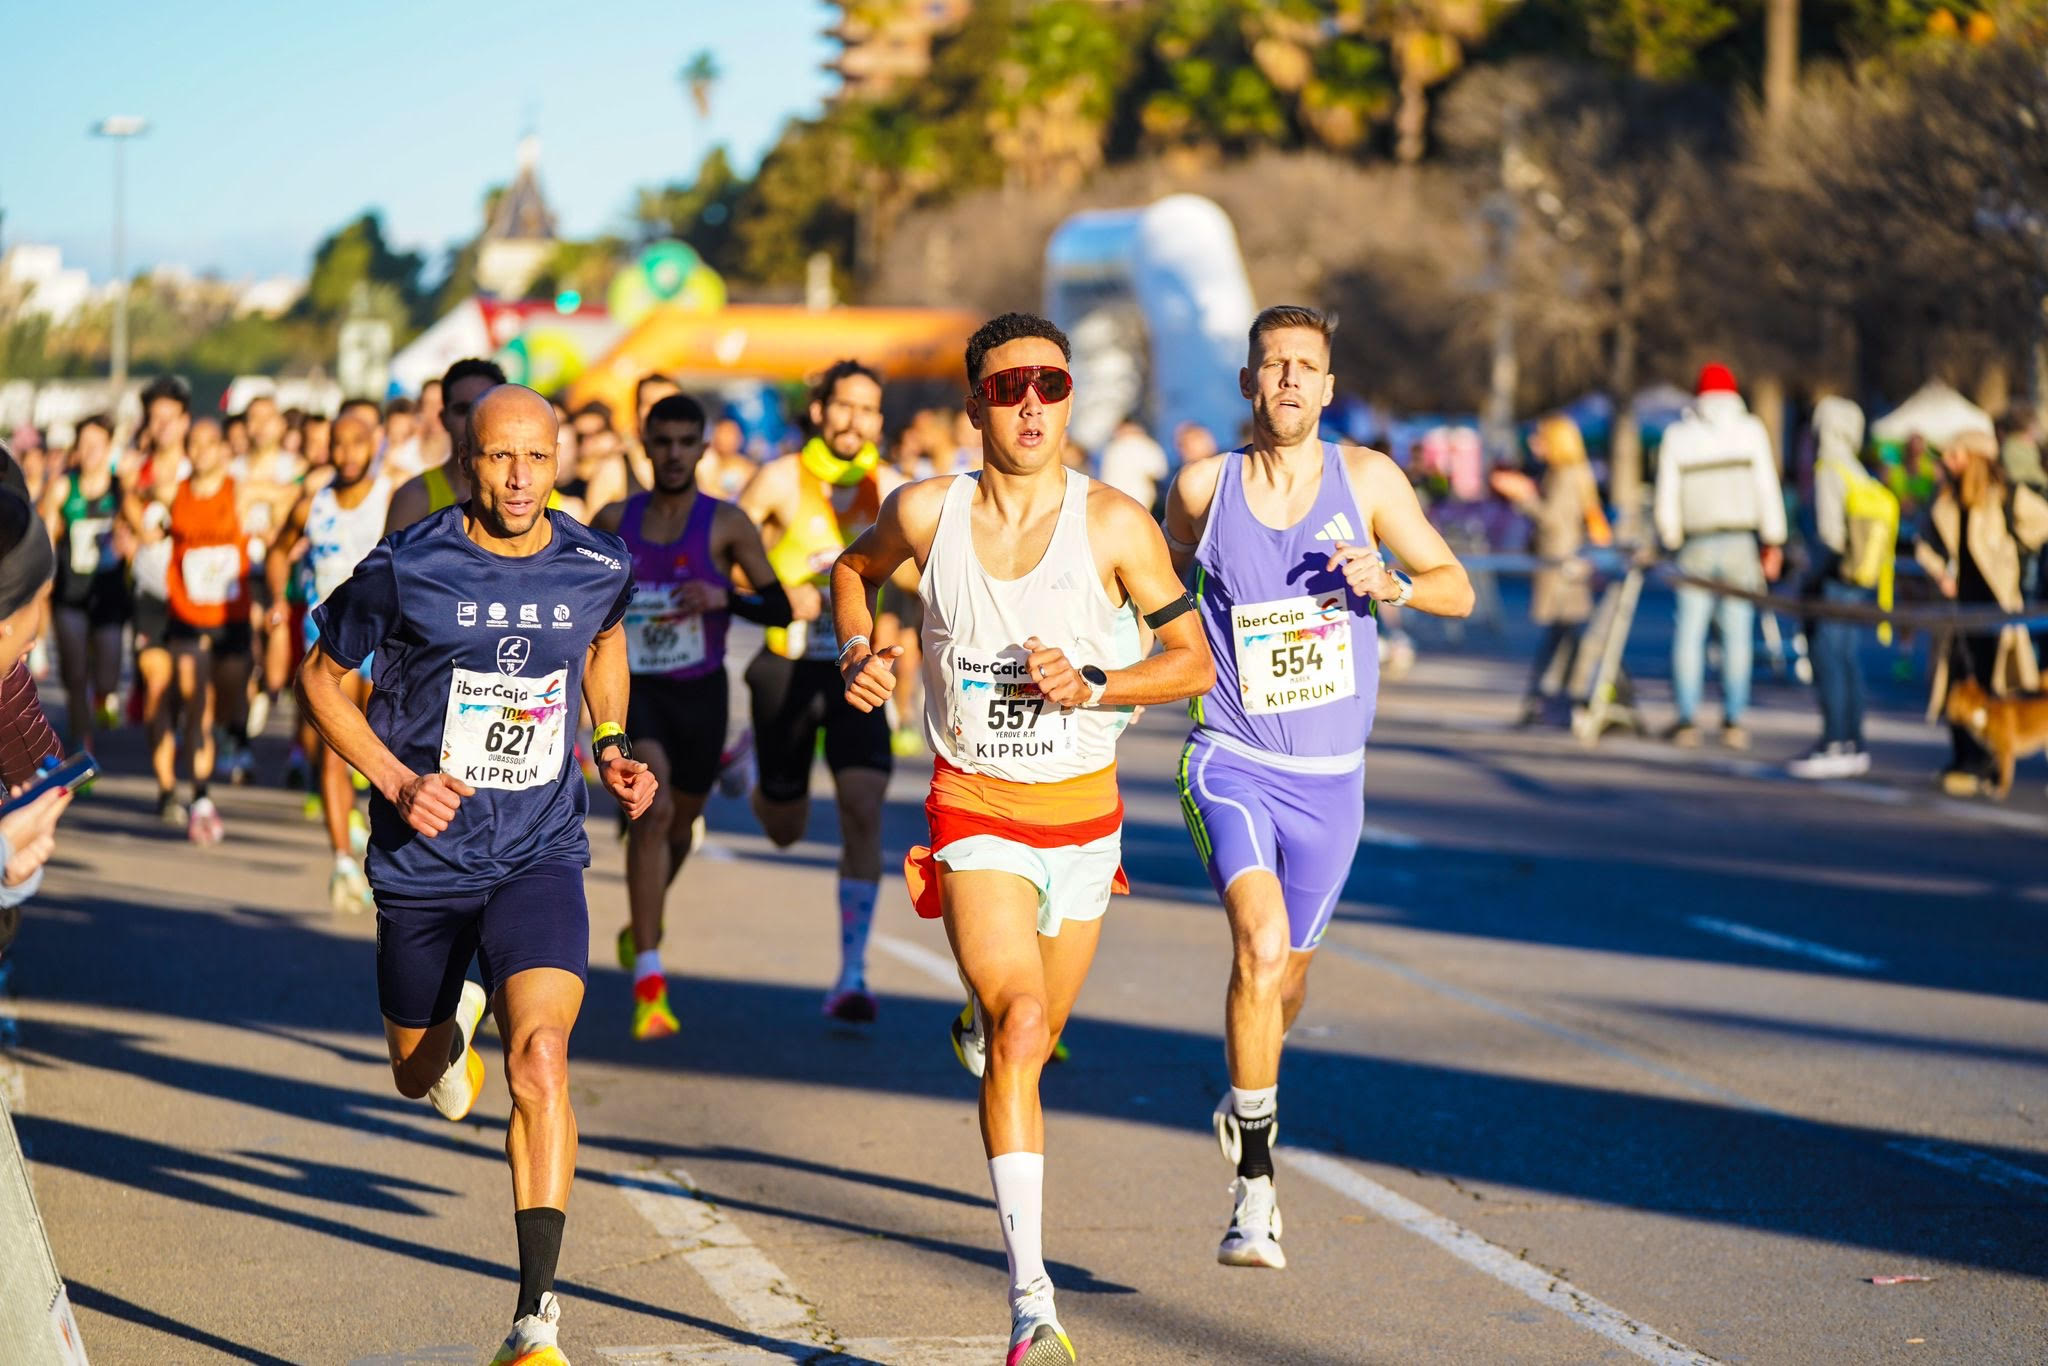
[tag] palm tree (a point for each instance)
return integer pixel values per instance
(1426, 40)
(699, 76)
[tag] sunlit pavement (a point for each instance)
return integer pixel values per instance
(1608, 1055)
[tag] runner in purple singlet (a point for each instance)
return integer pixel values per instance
(1282, 538)
(684, 546)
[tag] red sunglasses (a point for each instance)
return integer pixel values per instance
(1006, 388)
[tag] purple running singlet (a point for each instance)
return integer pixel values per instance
(1272, 777)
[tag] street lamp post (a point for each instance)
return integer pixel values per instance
(120, 128)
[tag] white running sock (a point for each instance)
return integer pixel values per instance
(856, 916)
(1019, 1181)
(344, 862)
(1254, 1104)
(646, 964)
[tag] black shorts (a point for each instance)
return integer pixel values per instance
(793, 699)
(102, 597)
(686, 717)
(152, 620)
(235, 638)
(537, 919)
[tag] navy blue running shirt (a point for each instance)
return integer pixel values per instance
(479, 674)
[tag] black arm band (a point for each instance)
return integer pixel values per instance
(767, 606)
(1181, 604)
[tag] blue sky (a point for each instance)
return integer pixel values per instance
(273, 123)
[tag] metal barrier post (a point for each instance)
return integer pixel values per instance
(37, 1326)
(1601, 705)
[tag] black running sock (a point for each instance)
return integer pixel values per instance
(540, 1244)
(198, 790)
(1255, 1155)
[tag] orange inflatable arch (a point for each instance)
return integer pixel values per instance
(770, 342)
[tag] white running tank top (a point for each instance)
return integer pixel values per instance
(982, 713)
(337, 538)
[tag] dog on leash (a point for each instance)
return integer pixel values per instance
(2010, 727)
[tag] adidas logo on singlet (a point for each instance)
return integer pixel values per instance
(1069, 580)
(1338, 528)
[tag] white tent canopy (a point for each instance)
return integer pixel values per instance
(1936, 413)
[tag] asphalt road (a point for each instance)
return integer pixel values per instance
(1608, 1056)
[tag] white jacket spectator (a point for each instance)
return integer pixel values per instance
(1716, 470)
(1133, 463)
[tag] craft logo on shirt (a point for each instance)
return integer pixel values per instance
(513, 652)
(607, 561)
(529, 614)
(497, 614)
(465, 614)
(562, 622)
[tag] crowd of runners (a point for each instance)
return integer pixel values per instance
(485, 605)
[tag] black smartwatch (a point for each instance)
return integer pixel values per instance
(1096, 680)
(617, 741)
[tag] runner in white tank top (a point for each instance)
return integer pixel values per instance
(338, 537)
(1031, 575)
(337, 525)
(982, 711)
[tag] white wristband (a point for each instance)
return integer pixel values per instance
(847, 648)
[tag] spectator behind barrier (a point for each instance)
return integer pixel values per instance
(1717, 498)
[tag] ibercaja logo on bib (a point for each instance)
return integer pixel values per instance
(513, 652)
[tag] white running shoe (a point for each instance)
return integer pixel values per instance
(1254, 1235)
(1227, 1136)
(970, 1039)
(737, 770)
(203, 825)
(1839, 759)
(463, 1082)
(1036, 1338)
(532, 1341)
(348, 891)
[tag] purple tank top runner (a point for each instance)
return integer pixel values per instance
(1297, 653)
(661, 565)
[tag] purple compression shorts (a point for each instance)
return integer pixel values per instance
(1246, 815)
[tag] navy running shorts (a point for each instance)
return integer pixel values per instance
(537, 919)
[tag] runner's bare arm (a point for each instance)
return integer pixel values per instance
(737, 547)
(902, 534)
(277, 565)
(1138, 558)
(408, 505)
(1398, 522)
(1187, 510)
(763, 497)
(606, 681)
(427, 801)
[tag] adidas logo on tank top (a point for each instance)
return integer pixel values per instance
(1338, 528)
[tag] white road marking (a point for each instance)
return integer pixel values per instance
(1970, 1162)
(739, 1273)
(760, 1296)
(1387, 839)
(1785, 943)
(933, 964)
(1468, 1247)
(1949, 1157)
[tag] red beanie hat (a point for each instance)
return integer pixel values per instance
(1715, 378)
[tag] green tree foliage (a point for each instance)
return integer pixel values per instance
(702, 212)
(1657, 40)
(357, 258)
